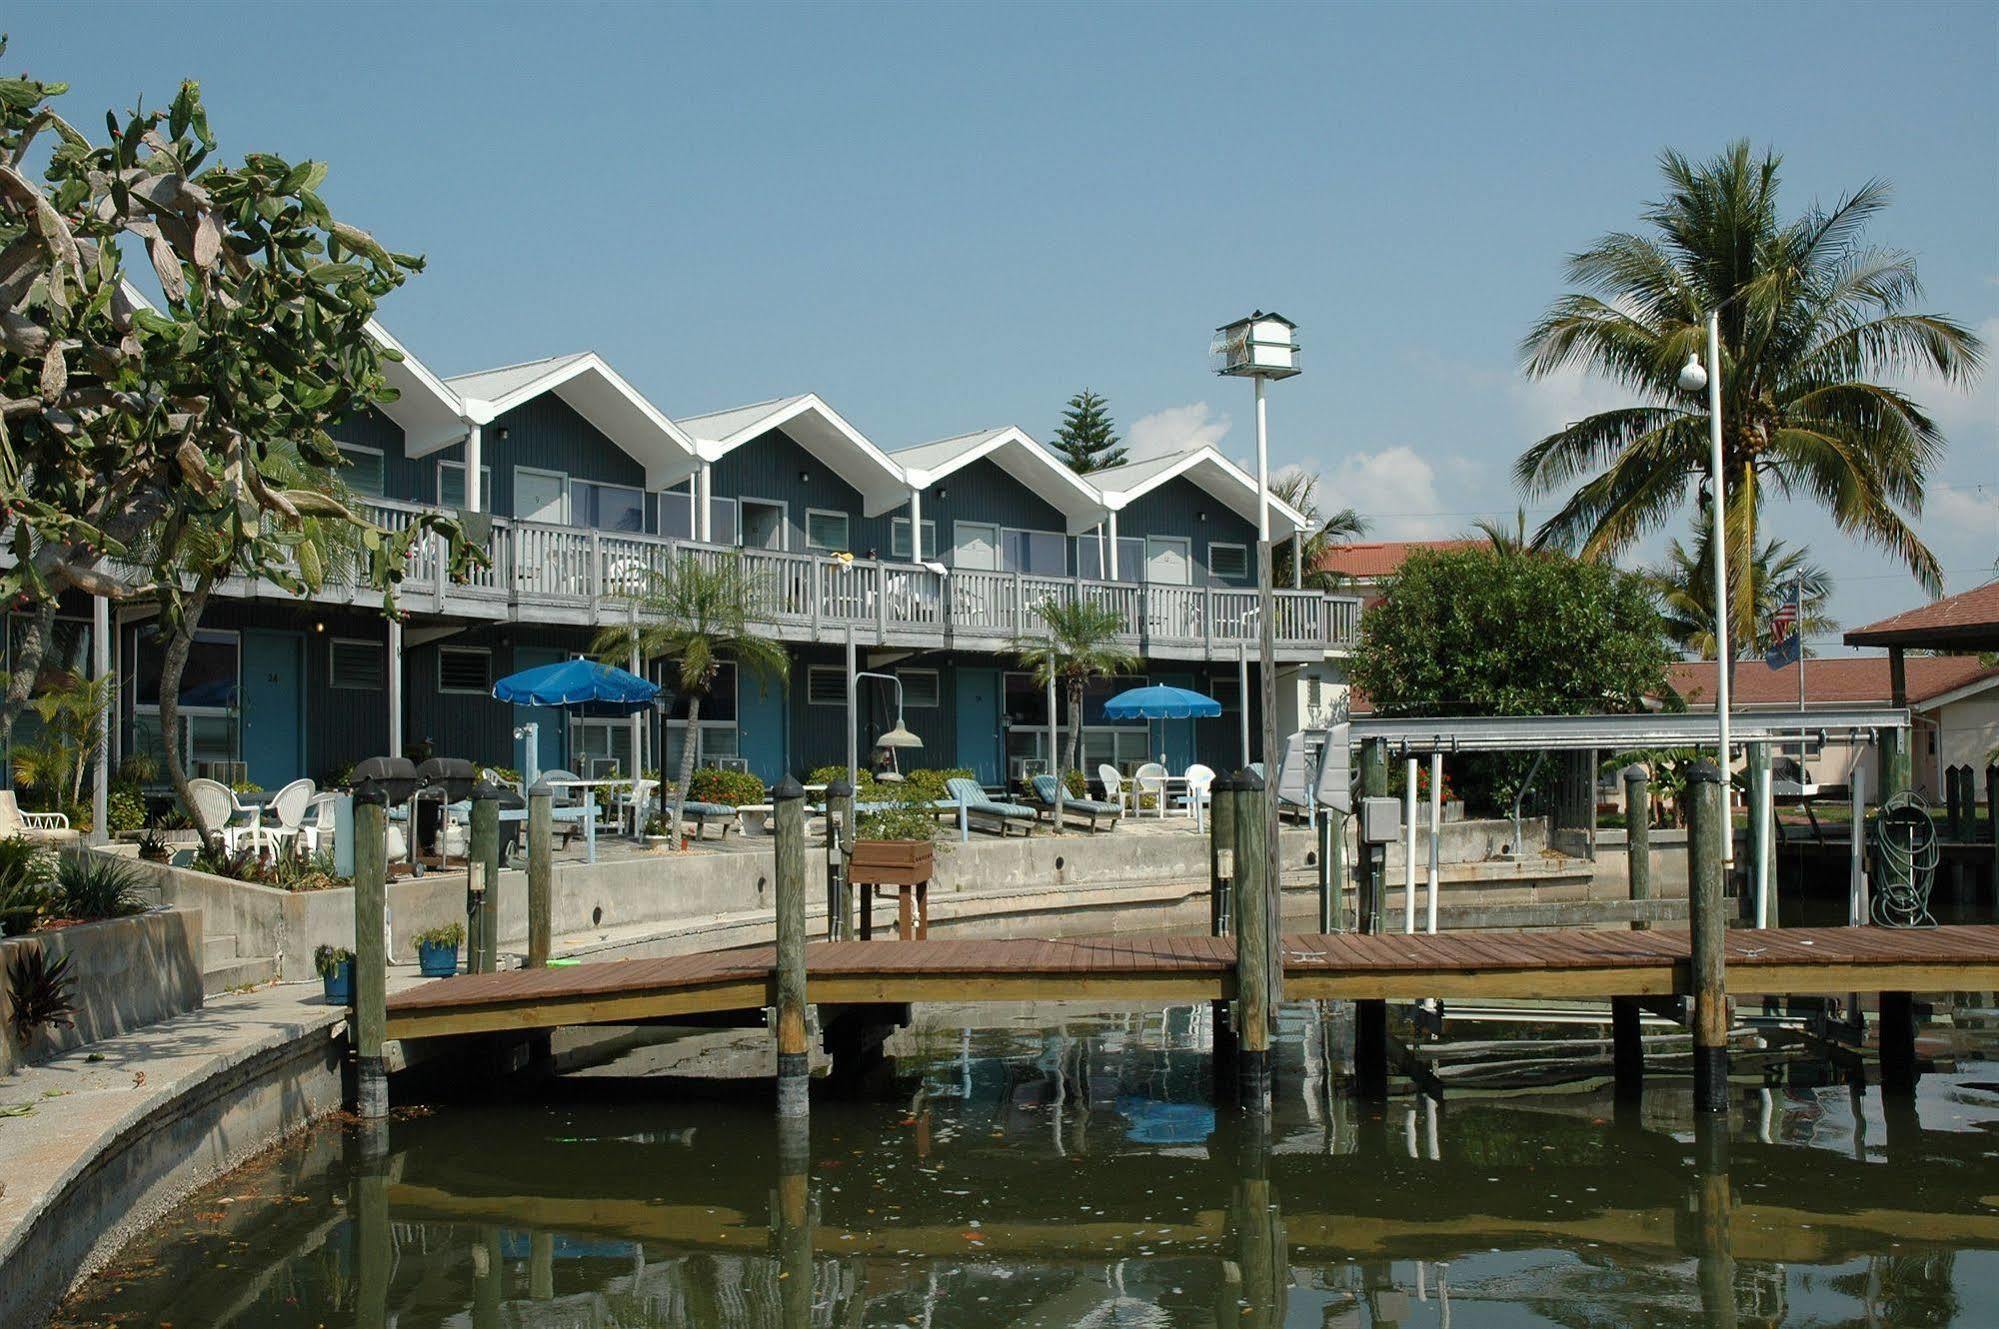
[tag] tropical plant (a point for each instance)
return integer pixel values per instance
(41, 992)
(1298, 488)
(327, 959)
(1080, 643)
(153, 845)
(140, 437)
(445, 934)
(1812, 318)
(929, 785)
(93, 885)
(55, 760)
(1684, 582)
(901, 818)
(696, 614)
(1508, 541)
(24, 891)
(1087, 439)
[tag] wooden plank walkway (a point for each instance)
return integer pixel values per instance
(1563, 964)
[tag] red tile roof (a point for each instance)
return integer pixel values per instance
(1844, 680)
(1380, 558)
(1966, 621)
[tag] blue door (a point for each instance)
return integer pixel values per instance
(554, 736)
(273, 666)
(979, 702)
(1175, 738)
(760, 724)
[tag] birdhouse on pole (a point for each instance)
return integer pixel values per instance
(1259, 346)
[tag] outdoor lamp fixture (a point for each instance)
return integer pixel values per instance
(1693, 377)
(898, 737)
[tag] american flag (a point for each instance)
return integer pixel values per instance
(1783, 620)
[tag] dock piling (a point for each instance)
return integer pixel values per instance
(1898, 1045)
(1638, 835)
(1253, 942)
(1627, 1049)
(371, 953)
(1221, 876)
(541, 875)
(482, 876)
(1370, 1041)
(1707, 825)
(794, 1067)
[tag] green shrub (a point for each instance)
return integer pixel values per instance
(898, 820)
(125, 808)
(450, 934)
(928, 785)
(864, 787)
(96, 886)
(24, 891)
(1077, 784)
(734, 788)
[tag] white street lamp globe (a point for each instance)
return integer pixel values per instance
(1693, 376)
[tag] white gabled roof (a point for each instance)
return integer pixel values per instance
(817, 428)
(428, 412)
(1021, 457)
(594, 391)
(1204, 466)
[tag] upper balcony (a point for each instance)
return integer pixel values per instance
(563, 574)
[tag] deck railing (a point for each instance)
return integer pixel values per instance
(563, 566)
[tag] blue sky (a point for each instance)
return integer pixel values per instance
(944, 218)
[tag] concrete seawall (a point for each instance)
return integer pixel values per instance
(124, 974)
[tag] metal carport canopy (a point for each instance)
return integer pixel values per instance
(1690, 729)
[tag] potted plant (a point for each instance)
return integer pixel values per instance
(892, 845)
(437, 950)
(336, 970)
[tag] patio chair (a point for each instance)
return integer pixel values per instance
(317, 830)
(1044, 793)
(1114, 789)
(1150, 779)
(285, 815)
(1200, 780)
(974, 802)
(52, 827)
(220, 811)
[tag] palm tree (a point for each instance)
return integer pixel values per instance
(1503, 540)
(1811, 318)
(1298, 488)
(698, 614)
(1685, 586)
(1081, 643)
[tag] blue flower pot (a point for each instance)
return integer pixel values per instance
(340, 985)
(435, 959)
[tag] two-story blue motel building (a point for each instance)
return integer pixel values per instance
(933, 555)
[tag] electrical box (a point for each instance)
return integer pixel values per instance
(1380, 820)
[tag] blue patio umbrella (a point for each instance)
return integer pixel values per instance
(579, 685)
(1160, 702)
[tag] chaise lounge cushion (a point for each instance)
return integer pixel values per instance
(1044, 790)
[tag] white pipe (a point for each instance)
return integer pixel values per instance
(396, 695)
(100, 669)
(1856, 881)
(1718, 511)
(1763, 787)
(474, 461)
(638, 729)
(1242, 696)
(1262, 466)
(1409, 852)
(1436, 819)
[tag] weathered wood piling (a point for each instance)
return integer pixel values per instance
(1221, 874)
(541, 874)
(1253, 934)
(794, 1066)
(482, 859)
(1707, 824)
(1638, 835)
(371, 953)
(1370, 1041)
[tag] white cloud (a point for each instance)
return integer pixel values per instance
(1973, 511)
(1544, 405)
(1395, 487)
(1969, 417)
(1176, 429)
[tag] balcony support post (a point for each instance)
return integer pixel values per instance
(396, 688)
(704, 500)
(1113, 545)
(475, 499)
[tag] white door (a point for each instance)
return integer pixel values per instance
(541, 496)
(1169, 560)
(975, 546)
(763, 524)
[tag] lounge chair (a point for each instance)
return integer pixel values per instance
(52, 827)
(973, 801)
(1044, 793)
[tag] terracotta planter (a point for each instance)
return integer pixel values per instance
(892, 862)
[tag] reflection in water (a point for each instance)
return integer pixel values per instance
(1076, 1172)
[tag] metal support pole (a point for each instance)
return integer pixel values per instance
(1763, 850)
(100, 669)
(482, 880)
(1332, 852)
(839, 848)
(541, 875)
(1856, 849)
(371, 958)
(395, 699)
(1718, 518)
(853, 714)
(1409, 850)
(1436, 839)
(794, 1066)
(1638, 835)
(1252, 937)
(1707, 828)
(1054, 743)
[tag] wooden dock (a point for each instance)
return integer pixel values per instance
(1567, 964)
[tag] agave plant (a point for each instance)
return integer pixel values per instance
(90, 885)
(41, 990)
(24, 890)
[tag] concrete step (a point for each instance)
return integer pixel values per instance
(217, 951)
(239, 974)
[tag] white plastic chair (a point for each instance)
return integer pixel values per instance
(1151, 779)
(639, 801)
(1114, 789)
(286, 817)
(317, 830)
(221, 813)
(1199, 778)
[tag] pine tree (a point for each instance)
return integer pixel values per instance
(1088, 439)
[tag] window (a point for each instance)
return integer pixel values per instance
(1038, 553)
(898, 539)
(208, 739)
(825, 530)
(356, 665)
(464, 669)
(451, 485)
(363, 472)
(606, 507)
(1026, 701)
(1130, 559)
(826, 685)
(1229, 564)
(919, 688)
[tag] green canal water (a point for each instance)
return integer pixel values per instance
(1071, 1168)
